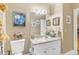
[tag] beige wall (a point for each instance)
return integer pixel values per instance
(58, 8)
(25, 8)
(75, 5)
(11, 29)
(67, 41)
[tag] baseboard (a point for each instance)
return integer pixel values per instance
(72, 52)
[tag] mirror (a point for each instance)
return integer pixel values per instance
(38, 25)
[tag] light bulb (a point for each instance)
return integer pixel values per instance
(40, 11)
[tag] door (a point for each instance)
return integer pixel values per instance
(75, 29)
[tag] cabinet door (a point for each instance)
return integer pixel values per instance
(41, 49)
(56, 47)
(53, 48)
(50, 48)
(37, 51)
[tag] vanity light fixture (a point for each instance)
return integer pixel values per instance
(40, 11)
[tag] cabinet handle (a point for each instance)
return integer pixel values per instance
(45, 51)
(32, 49)
(54, 48)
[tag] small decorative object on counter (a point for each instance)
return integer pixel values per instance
(17, 35)
(52, 33)
(47, 32)
(20, 35)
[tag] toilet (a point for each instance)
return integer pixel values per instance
(17, 46)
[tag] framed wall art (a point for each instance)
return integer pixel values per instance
(18, 19)
(48, 23)
(56, 21)
(68, 19)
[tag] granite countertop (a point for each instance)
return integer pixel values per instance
(43, 40)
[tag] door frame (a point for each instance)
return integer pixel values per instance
(75, 14)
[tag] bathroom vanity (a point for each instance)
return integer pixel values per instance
(46, 46)
(45, 40)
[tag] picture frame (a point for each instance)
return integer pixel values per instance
(56, 21)
(68, 19)
(19, 19)
(48, 23)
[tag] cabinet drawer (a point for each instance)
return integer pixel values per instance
(46, 52)
(52, 52)
(53, 43)
(40, 51)
(54, 47)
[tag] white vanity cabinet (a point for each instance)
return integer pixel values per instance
(47, 48)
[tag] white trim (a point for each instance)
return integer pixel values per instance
(75, 13)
